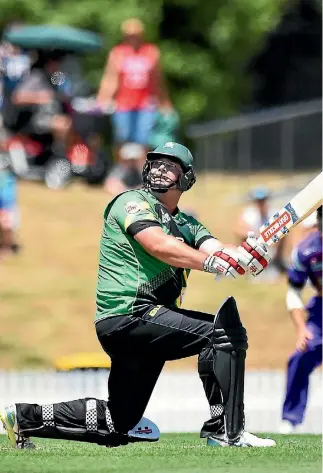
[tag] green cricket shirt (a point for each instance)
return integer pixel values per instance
(129, 278)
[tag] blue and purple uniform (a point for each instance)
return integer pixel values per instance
(306, 266)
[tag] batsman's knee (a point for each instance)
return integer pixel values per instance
(229, 333)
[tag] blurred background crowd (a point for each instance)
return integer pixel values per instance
(91, 105)
(87, 88)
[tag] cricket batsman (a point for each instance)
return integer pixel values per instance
(306, 266)
(148, 248)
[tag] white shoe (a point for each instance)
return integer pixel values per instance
(246, 440)
(145, 430)
(8, 417)
(286, 427)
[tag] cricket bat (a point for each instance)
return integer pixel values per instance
(300, 207)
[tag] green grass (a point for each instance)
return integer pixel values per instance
(180, 453)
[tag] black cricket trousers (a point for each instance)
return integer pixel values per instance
(140, 345)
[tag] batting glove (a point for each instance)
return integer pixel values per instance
(256, 252)
(226, 262)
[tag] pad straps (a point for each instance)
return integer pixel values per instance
(48, 415)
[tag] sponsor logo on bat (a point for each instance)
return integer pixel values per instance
(292, 212)
(276, 225)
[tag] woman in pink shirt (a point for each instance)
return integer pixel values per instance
(133, 81)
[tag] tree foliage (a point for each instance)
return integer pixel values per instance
(205, 44)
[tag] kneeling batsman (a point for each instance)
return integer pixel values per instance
(148, 248)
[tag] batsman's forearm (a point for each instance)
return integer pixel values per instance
(180, 255)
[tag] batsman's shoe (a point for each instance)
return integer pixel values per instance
(8, 417)
(246, 440)
(144, 431)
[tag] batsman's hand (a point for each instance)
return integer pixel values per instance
(226, 262)
(256, 253)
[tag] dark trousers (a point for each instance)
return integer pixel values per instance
(300, 366)
(138, 348)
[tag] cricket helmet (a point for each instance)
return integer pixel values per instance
(177, 153)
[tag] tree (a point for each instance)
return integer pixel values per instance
(205, 44)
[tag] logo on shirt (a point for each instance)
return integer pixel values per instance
(165, 218)
(132, 207)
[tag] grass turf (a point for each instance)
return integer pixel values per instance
(180, 453)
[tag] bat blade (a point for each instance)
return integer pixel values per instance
(300, 207)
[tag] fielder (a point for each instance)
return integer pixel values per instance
(306, 266)
(148, 248)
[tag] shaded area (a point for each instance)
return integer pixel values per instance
(289, 67)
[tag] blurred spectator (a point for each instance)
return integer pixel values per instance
(133, 80)
(40, 103)
(165, 128)
(14, 65)
(8, 212)
(74, 83)
(251, 219)
(127, 173)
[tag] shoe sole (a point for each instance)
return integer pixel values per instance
(10, 432)
(219, 443)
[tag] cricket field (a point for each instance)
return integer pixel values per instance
(180, 453)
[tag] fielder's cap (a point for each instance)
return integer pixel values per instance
(131, 151)
(175, 152)
(132, 26)
(259, 193)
